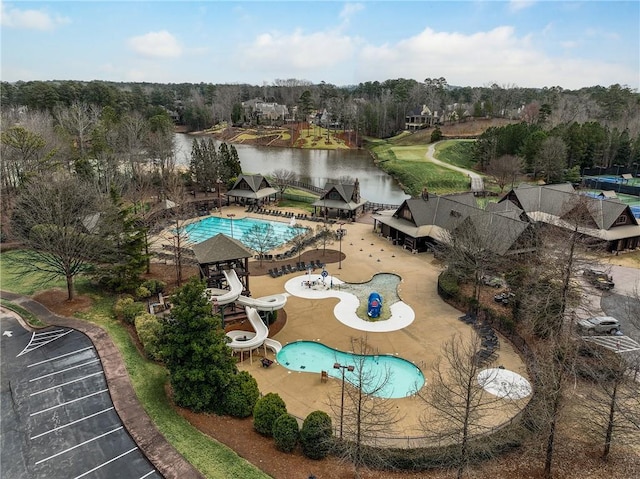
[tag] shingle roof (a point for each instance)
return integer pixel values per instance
(259, 187)
(220, 248)
(559, 200)
(436, 216)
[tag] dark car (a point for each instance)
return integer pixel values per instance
(599, 279)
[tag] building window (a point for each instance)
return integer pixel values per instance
(622, 220)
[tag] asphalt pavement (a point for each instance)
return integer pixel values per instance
(68, 408)
(58, 420)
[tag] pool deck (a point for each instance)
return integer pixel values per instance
(313, 318)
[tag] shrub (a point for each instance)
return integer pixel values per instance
(449, 283)
(130, 311)
(142, 293)
(118, 307)
(241, 395)
(155, 286)
(267, 410)
(149, 329)
(286, 432)
(316, 435)
(436, 135)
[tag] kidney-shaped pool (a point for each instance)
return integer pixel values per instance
(382, 375)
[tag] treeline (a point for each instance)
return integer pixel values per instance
(372, 108)
(551, 153)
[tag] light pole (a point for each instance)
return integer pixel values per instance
(231, 216)
(340, 235)
(350, 369)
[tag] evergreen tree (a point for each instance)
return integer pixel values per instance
(194, 349)
(127, 259)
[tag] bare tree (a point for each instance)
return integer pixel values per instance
(282, 178)
(324, 236)
(58, 220)
(504, 170)
(261, 239)
(180, 210)
(555, 359)
(364, 415)
(610, 410)
(552, 159)
(458, 405)
(78, 120)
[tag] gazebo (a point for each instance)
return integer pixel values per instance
(221, 253)
(252, 189)
(341, 200)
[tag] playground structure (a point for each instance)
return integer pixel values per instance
(375, 305)
(242, 341)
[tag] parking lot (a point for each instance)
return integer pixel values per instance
(58, 420)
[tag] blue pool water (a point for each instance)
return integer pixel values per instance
(404, 378)
(209, 227)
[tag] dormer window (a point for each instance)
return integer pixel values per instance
(622, 220)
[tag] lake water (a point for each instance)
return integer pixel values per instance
(312, 166)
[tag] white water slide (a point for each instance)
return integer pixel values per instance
(247, 341)
(266, 303)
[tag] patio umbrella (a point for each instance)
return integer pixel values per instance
(504, 383)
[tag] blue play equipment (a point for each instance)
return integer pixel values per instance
(375, 305)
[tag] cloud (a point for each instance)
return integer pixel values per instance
(297, 51)
(350, 9)
(518, 5)
(13, 17)
(160, 44)
(481, 58)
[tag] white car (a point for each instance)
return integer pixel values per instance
(600, 324)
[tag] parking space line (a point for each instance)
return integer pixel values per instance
(147, 474)
(105, 463)
(58, 357)
(71, 423)
(49, 337)
(79, 445)
(64, 370)
(69, 402)
(66, 384)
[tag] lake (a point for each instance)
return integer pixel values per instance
(315, 167)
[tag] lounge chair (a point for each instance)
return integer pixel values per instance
(273, 273)
(266, 362)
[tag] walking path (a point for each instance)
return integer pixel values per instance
(477, 183)
(151, 442)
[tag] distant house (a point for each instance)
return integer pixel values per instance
(252, 189)
(260, 111)
(421, 223)
(602, 218)
(341, 201)
(420, 117)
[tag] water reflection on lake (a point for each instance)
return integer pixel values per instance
(312, 166)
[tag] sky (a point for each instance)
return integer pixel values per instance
(522, 43)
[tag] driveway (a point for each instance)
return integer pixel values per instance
(58, 420)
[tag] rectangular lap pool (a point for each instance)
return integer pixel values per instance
(236, 228)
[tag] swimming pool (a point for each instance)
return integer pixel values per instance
(209, 227)
(404, 378)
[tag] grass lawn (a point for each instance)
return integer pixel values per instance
(409, 165)
(211, 458)
(456, 152)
